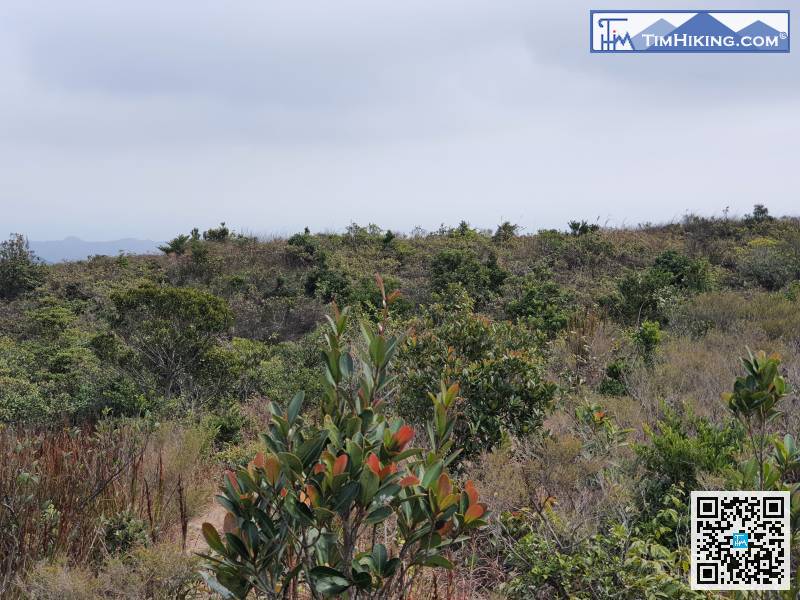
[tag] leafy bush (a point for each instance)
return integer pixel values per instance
(178, 245)
(481, 279)
(20, 271)
(754, 401)
(226, 425)
(646, 338)
(328, 284)
(620, 562)
(57, 376)
(644, 295)
(505, 232)
(503, 393)
(218, 234)
(760, 214)
(768, 263)
(649, 294)
(614, 382)
(578, 228)
(541, 301)
(296, 513)
(305, 244)
(366, 295)
(123, 531)
(168, 333)
(679, 450)
(688, 274)
(496, 364)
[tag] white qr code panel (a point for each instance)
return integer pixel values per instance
(740, 541)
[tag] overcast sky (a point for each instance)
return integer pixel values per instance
(146, 118)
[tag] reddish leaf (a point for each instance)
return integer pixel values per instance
(472, 493)
(388, 470)
(229, 524)
(403, 436)
(273, 468)
(340, 465)
(313, 494)
(259, 461)
(409, 480)
(476, 511)
(443, 487)
(374, 464)
(232, 478)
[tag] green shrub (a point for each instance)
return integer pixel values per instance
(685, 273)
(328, 284)
(613, 384)
(542, 302)
(649, 294)
(620, 562)
(644, 295)
(770, 264)
(20, 270)
(502, 393)
(646, 339)
(679, 450)
(290, 366)
(123, 531)
(58, 376)
(168, 332)
(760, 214)
(754, 401)
(481, 279)
(505, 232)
(296, 513)
(366, 295)
(578, 228)
(178, 245)
(304, 245)
(496, 364)
(226, 425)
(217, 234)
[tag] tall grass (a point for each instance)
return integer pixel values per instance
(58, 487)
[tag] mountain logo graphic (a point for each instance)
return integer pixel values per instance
(703, 31)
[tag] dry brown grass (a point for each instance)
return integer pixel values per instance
(55, 486)
(695, 372)
(160, 572)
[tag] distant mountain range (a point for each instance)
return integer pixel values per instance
(73, 248)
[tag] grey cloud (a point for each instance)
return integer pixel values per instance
(146, 118)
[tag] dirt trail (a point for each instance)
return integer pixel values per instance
(214, 514)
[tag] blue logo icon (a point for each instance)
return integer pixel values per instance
(689, 31)
(740, 540)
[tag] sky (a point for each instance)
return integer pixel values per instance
(147, 118)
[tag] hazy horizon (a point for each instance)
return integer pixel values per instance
(278, 234)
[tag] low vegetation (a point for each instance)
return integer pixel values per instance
(497, 414)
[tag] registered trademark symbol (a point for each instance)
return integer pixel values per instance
(782, 35)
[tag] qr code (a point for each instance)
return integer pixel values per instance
(740, 541)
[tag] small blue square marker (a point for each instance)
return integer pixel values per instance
(740, 540)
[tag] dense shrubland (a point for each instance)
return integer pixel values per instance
(593, 380)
